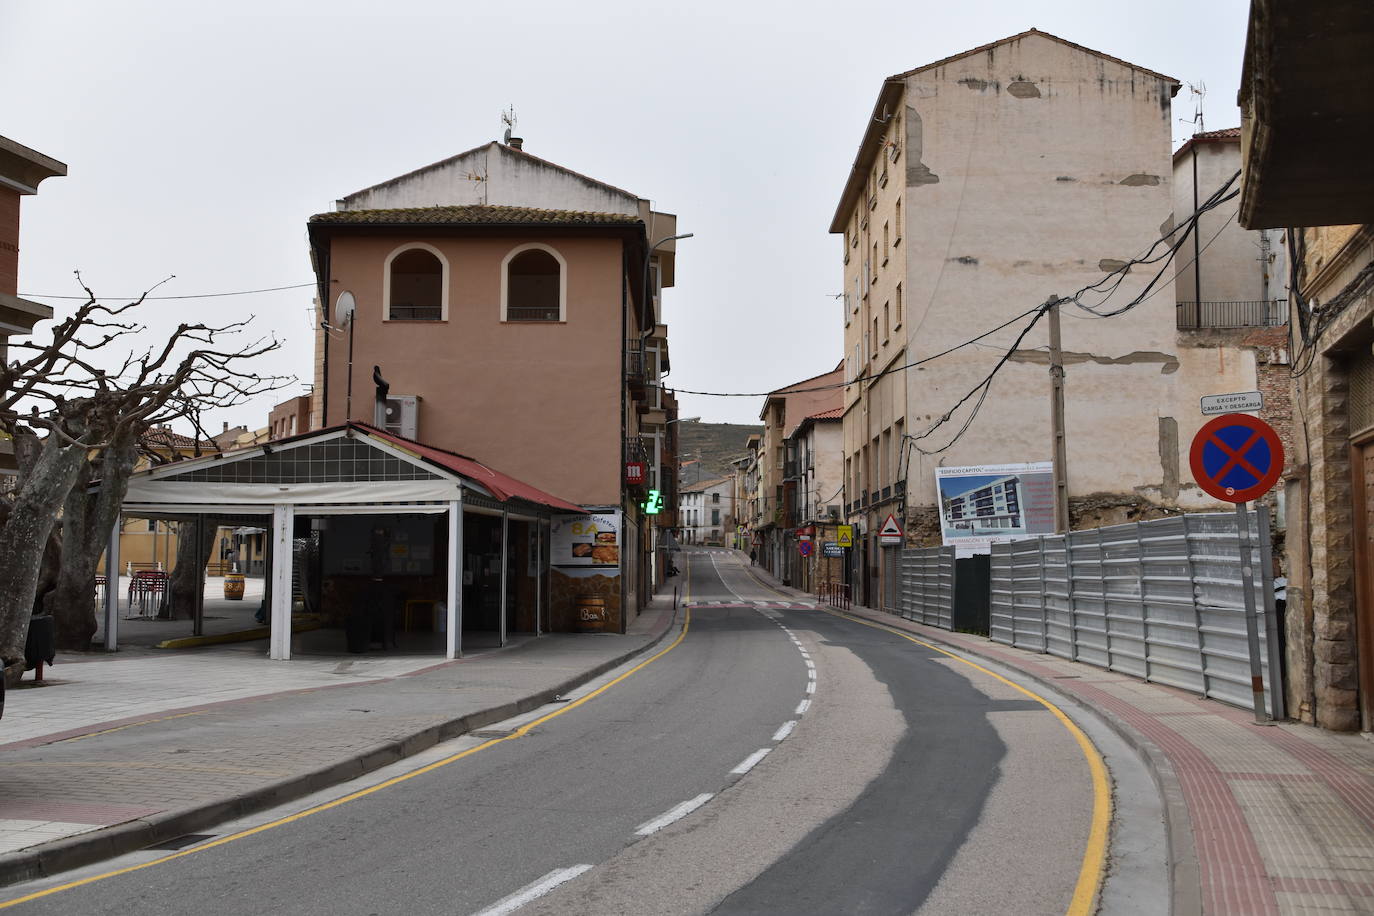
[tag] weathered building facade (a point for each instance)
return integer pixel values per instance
(986, 184)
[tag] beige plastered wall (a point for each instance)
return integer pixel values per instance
(537, 400)
(1230, 258)
(1032, 170)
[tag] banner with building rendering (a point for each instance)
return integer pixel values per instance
(994, 503)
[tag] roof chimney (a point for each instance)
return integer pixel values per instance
(226, 426)
(517, 143)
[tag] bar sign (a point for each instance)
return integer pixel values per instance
(1240, 402)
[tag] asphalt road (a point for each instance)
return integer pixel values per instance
(777, 760)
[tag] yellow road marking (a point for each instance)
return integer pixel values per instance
(520, 732)
(1093, 869)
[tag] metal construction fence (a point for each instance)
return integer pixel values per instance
(926, 586)
(1161, 600)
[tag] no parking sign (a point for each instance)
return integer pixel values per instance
(1236, 457)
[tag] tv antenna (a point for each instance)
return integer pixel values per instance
(508, 119)
(1199, 92)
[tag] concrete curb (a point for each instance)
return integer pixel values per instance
(50, 859)
(1185, 892)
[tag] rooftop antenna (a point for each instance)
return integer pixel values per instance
(1199, 92)
(508, 119)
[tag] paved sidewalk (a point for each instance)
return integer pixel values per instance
(130, 750)
(1262, 819)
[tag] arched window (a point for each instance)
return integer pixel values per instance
(416, 285)
(533, 284)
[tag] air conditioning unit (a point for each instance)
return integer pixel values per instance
(832, 513)
(401, 416)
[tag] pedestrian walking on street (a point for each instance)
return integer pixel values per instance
(753, 557)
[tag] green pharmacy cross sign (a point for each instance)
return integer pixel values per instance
(654, 504)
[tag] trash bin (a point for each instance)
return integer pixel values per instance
(233, 587)
(589, 614)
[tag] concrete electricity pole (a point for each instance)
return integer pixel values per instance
(1061, 461)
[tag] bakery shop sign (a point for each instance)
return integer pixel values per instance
(586, 540)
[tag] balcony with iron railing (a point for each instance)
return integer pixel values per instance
(635, 375)
(406, 312)
(1259, 313)
(531, 313)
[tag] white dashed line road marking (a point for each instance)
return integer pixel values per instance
(751, 761)
(802, 707)
(673, 814)
(810, 687)
(784, 730)
(532, 892)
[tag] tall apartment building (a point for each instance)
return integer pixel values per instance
(512, 307)
(984, 184)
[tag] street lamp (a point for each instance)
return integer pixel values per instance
(648, 256)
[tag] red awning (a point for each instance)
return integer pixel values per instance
(502, 486)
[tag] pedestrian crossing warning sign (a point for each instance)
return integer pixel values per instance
(844, 535)
(890, 535)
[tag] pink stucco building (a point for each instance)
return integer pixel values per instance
(502, 300)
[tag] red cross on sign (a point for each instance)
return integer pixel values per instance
(1236, 457)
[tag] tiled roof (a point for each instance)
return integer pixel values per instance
(1226, 133)
(807, 381)
(836, 414)
(161, 437)
(475, 215)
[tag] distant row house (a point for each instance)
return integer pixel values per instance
(704, 512)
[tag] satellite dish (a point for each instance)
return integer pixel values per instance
(344, 307)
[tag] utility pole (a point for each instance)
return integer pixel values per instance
(1061, 461)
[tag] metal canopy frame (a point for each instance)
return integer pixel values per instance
(164, 493)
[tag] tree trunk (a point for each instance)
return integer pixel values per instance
(88, 518)
(188, 576)
(23, 540)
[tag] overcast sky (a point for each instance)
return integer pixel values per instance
(200, 137)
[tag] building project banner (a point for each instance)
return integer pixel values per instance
(994, 503)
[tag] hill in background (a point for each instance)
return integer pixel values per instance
(716, 444)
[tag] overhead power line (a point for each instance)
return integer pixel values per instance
(1108, 286)
(241, 292)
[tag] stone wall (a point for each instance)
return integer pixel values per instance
(1320, 624)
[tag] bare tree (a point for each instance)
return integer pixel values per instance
(94, 416)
